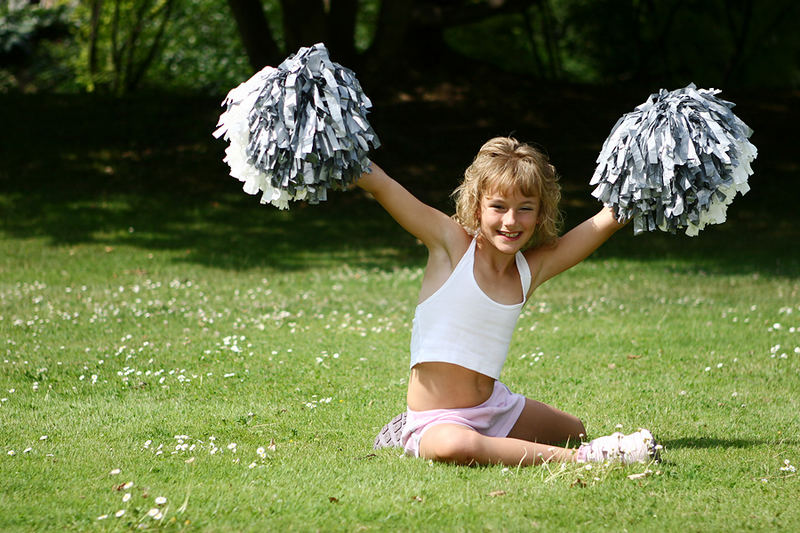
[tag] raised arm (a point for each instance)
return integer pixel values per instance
(434, 228)
(572, 248)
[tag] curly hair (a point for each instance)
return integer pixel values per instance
(502, 165)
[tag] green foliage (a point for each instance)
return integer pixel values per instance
(198, 51)
(118, 41)
(366, 22)
(204, 52)
(711, 43)
(185, 45)
(668, 41)
(20, 29)
(27, 37)
(512, 48)
(117, 46)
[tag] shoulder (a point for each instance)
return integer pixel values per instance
(535, 257)
(453, 245)
(442, 260)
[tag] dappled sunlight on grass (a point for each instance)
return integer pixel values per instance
(165, 336)
(150, 163)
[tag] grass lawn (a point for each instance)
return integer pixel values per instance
(176, 356)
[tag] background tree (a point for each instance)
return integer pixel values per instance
(209, 46)
(600, 40)
(404, 31)
(124, 38)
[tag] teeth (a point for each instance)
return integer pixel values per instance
(510, 235)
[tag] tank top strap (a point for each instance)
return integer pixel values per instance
(466, 263)
(469, 255)
(524, 274)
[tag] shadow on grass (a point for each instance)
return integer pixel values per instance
(714, 442)
(146, 172)
(228, 233)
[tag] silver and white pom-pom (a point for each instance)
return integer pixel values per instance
(676, 162)
(297, 130)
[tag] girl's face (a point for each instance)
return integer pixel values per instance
(508, 220)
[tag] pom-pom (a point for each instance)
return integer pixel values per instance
(297, 130)
(676, 162)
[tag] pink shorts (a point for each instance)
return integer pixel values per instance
(494, 418)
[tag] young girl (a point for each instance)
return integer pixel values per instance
(482, 267)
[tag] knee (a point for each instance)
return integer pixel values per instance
(573, 429)
(457, 446)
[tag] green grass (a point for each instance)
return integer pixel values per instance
(133, 313)
(111, 346)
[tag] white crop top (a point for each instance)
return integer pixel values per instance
(460, 324)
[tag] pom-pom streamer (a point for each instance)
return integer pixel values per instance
(676, 162)
(297, 130)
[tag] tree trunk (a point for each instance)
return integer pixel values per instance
(341, 31)
(739, 34)
(411, 32)
(137, 73)
(96, 10)
(303, 23)
(255, 34)
(394, 19)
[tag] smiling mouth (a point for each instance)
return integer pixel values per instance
(510, 234)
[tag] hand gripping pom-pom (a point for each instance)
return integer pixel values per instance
(675, 163)
(297, 130)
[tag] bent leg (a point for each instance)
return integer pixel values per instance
(543, 423)
(453, 443)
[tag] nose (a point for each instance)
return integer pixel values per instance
(510, 217)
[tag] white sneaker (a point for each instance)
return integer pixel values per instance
(638, 447)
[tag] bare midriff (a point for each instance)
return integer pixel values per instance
(446, 386)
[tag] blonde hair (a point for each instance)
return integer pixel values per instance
(502, 165)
